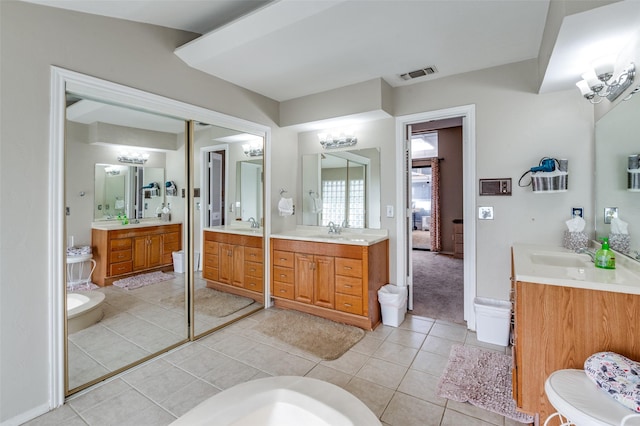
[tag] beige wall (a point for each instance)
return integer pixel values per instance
(515, 127)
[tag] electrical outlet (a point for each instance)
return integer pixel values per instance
(485, 213)
(389, 211)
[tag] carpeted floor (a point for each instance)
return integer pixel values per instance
(438, 286)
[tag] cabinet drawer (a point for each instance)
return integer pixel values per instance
(348, 303)
(210, 261)
(210, 247)
(121, 244)
(283, 258)
(282, 290)
(253, 254)
(253, 283)
(121, 268)
(348, 267)
(209, 273)
(171, 237)
(120, 256)
(254, 269)
(349, 285)
(284, 275)
(171, 247)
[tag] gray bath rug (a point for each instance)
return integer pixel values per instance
(321, 337)
(211, 302)
(142, 280)
(482, 378)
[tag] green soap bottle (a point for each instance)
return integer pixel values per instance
(605, 258)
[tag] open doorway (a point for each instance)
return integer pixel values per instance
(437, 209)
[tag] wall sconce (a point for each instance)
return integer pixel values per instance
(112, 170)
(327, 140)
(598, 83)
(133, 157)
(253, 150)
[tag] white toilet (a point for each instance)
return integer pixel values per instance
(282, 401)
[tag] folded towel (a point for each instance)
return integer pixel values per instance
(285, 206)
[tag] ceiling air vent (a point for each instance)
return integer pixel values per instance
(419, 73)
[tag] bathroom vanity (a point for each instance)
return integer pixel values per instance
(331, 276)
(233, 261)
(566, 309)
(121, 251)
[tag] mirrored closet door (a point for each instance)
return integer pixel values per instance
(228, 225)
(125, 228)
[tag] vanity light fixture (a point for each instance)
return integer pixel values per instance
(328, 141)
(133, 157)
(598, 83)
(253, 149)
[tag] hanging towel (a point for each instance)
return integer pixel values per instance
(285, 206)
(316, 203)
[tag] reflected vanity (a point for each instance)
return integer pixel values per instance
(617, 139)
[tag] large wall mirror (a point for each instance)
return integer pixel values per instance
(617, 138)
(342, 187)
(141, 186)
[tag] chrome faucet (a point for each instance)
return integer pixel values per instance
(585, 250)
(345, 223)
(254, 224)
(333, 228)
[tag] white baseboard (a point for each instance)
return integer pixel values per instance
(26, 416)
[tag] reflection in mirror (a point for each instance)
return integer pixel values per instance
(228, 227)
(135, 191)
(125, 302)
(342, 187)
(616, 139)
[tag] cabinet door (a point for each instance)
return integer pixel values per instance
(154, 251)
(139, 253)
(305, 273)
(237, 268)
(225, 263)
(324, 286)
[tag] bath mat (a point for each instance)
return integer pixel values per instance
(211, 302)
(142, 280)
(482, 378)
(321, 337)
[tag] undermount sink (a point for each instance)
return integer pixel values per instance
(565, 260)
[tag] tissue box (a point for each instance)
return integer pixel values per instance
(620, 242)
(575, 240)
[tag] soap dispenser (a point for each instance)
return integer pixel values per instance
(605, 257)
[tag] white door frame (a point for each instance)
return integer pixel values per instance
(404, 278)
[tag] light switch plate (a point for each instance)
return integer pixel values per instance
(485, 213)
(577, 211)
(389, 211)
(610, 213)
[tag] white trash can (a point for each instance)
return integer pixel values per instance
(393, 304)
(493, 320)
(178, 261)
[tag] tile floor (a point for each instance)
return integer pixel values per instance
(136, 324)
(393, 370)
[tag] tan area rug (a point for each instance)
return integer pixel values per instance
(211, 302)
(482, 378)
(321, 337)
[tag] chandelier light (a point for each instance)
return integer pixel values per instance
(598, 83)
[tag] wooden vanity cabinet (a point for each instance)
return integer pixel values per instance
(120, 253)
(234, 263)
(335, 281)
(559, 327)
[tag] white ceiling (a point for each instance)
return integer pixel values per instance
(291, 48)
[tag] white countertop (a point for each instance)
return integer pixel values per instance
(351, 236)
(562, 267)
(242, 228)
(111, 225)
